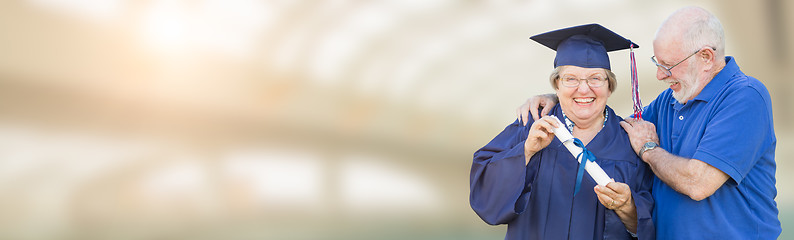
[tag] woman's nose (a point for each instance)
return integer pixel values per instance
(583, 87)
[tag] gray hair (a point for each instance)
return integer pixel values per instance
(706, 30)
(699, 28)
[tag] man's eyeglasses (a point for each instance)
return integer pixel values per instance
(592, 81)
(668, 70)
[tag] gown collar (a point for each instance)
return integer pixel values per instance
(569, 124)
(603, 144)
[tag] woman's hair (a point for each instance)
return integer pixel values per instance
(612, 81)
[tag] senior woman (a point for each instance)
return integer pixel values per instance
(525, 177)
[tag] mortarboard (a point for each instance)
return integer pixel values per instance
(584, 46)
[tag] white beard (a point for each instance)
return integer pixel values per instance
(688, 91)
(684, 95)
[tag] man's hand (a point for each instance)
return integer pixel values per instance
(546, 101)
(640, 132)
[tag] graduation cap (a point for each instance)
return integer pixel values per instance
(584, 46)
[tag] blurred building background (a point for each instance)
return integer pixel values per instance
(245, 119)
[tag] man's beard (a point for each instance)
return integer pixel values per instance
(687, 91)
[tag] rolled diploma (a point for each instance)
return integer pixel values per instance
(592, 168)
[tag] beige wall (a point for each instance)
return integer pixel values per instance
(297, 120)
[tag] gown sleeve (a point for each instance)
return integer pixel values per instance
(500, 182)
(643, 202)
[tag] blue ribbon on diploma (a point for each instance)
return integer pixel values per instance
(587, 156)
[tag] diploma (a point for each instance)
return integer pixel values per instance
(592, 168)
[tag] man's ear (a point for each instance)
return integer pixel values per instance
(708, 56)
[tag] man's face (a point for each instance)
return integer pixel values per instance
(683, 79)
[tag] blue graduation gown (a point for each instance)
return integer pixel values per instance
(536, 201)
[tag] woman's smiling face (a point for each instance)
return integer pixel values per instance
(583, 92)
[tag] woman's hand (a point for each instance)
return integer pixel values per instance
(617, 196)
(540, 135)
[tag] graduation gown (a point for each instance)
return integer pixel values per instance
(536, 201)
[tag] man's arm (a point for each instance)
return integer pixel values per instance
(688, 176)
(691, 177)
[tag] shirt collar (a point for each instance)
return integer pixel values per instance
(717, 82)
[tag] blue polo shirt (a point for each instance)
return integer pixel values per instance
(729, 126)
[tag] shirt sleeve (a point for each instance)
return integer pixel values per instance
(735, 137)
(500, 182)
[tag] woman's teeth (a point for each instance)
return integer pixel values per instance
(583, 100)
